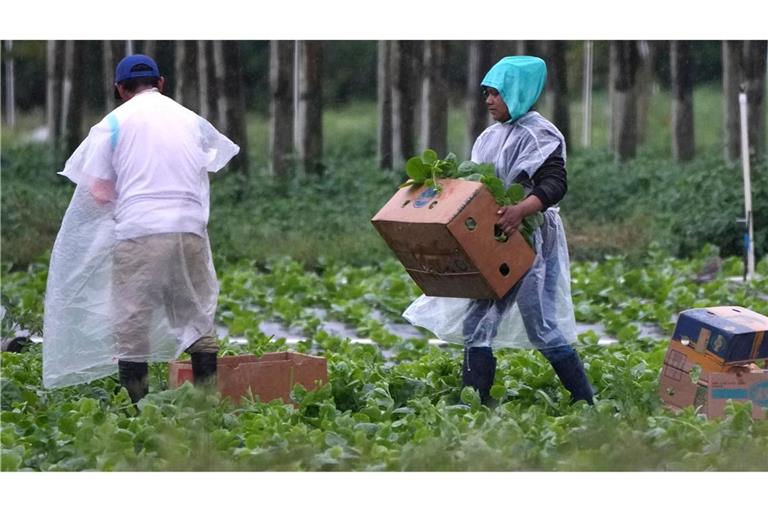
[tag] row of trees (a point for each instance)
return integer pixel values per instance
(413, 89)
(207, 80)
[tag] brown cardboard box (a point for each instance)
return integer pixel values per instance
(738, 386)
(270, 376)
(677, 387)
(680, 386)
(729, 334)
(446, 240)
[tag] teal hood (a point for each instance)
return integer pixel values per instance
(519, 80)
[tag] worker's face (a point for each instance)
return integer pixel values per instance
(496, 106)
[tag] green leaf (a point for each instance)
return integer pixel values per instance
(416, 169)
(515, 193)
(10, 461)
(498, 391)
(429, 156)
(467, 167)
(496, 186)
(470, 397)
(486, 170)
(533, 221)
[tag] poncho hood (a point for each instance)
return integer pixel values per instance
(519, 80)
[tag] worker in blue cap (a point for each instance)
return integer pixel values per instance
(538, 312)
(131, 278)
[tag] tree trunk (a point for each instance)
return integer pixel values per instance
(558, 86)
(624, 63)
(208, 86)
(526, 48)
(281, 107)
(681, 69)
(434, 99)
(479, 61)
(732, 77)
(310, 107)
(232, 100)
(112, 53)
(72, 96)
(404, 99)
(53, 90)
(505, 48)
(9, 78)
(754, 75)
(587, 72)
(149, 48)
(219, 72)
(646, 52)
(384, 97)
(186, 89)
(203, 83)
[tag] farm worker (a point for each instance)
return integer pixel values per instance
(131, 278)
(528, 149)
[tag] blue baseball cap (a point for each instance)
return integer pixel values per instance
(134, 66)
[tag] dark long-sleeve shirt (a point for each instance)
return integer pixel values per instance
(549, 182)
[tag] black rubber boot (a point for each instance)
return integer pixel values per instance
(571, 372)
(204, 369)
(135, 378)
(478, 371)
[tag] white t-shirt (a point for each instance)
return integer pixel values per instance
(158, 162)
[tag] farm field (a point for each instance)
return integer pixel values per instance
(395, 404)
(302, 269)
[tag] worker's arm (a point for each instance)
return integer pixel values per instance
(103, 191)
(549, 186)
(510, 217)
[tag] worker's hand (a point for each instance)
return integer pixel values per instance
(510, 218)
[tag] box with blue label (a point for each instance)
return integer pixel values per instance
(725, 334)
(690, 379)
(739, 387)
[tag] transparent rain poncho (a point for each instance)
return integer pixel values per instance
(543, 296)
(84, 306)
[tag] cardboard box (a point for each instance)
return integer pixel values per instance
(446, 240)
(727, 334)
(678, 387)
(739, 387)
(690, 378)
(270, 376)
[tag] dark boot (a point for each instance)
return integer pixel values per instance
(204, 369)
(570, 369)
(478, 371)
(134, 378)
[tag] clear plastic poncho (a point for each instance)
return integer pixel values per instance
(538, 311)
(79, 340)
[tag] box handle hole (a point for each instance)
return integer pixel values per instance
(470, 223)
(498, 234)
(432, 204)
(504, 269)
(406, 203)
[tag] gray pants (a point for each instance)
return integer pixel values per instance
(167, 273)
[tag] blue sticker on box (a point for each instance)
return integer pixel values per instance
(425, 198)
(757, 393)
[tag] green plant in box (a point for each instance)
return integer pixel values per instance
(427, 169)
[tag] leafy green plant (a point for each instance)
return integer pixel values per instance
(427, 169)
